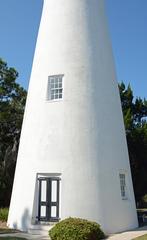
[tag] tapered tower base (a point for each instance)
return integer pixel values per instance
(73, 158)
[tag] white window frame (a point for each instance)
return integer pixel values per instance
(123, 185)
(55, 88)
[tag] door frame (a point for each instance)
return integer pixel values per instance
(48, 203)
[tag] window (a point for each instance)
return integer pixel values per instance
(122, 177)
(48, 199)
(55, 87)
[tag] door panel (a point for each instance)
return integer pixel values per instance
(54, 191)
(43, 190)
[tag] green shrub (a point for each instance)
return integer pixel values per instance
(76, 229)
(4, 214)
(144, 201)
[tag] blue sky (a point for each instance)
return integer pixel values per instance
(19, 22)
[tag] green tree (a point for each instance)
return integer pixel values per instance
(135, 118)
(12, 103)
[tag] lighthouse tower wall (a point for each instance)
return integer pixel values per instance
(79, 138)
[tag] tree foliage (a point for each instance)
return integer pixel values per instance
(135, 118)
(12, 102)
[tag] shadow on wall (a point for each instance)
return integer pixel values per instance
(35, 202)
(25, 222)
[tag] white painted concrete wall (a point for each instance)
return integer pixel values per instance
(81, 137)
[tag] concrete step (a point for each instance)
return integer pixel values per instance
(38, 232)
(40, 229)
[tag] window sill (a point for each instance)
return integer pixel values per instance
(53, 101)
(125, 198)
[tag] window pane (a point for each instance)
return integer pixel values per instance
(43, 211)
(52, 80)
(52, 92)
(52, 85)
(43, 191)
(53, 212)
(54, 191)
(56, 80)
(52, 96)
(56, 85)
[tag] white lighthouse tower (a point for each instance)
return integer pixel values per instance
(73, 158)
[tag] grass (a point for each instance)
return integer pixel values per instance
(6, 230)
(4, 214)
(12, 238)
(142, 209)
(144, 237)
